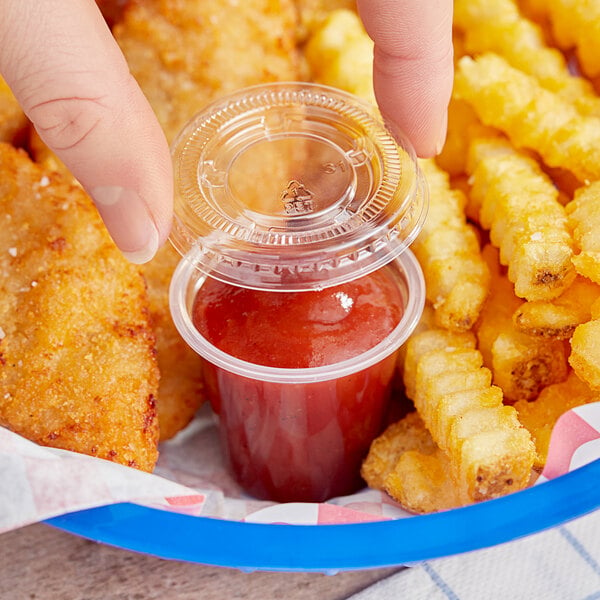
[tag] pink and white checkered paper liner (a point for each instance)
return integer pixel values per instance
(38, 483)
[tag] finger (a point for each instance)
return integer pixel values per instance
(72, 81)
(413, 66)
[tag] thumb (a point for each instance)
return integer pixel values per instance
(72, 81)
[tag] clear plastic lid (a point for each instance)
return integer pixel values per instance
(293, 186)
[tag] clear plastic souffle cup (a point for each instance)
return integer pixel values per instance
(294, 211)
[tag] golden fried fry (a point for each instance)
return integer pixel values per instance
(489, 452)
(181, 388)
(425, 340)
(77, 357)
(558, 318)
(186, 54)
(426, 322)
(497, 26)
(540, 416)
(463, 126)
(406, 463)
(585, 352)
(530, 115)
(340, 53)
(577, 24)
(536, 10)
(13, 121)
(312, 13)
(584, 218)
(456, 277)
(522, 365)
(422, 483)
(519, 205)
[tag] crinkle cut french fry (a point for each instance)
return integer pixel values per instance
(431, 339)
(584, 217)
(577, 24)
(422, 483)
(484, 463)
(530, 115)
(463, 126)
(522, 365)
(585, 352)
(536, 10)
(557, 319)
(519, 205)
(435, 364)
(497, 26)
(540, 415)
(457, 278)
(340, 53)
(427, 321)
(311, 13)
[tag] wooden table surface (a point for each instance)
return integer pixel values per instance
(39, 562)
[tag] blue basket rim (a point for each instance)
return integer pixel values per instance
(339, 547)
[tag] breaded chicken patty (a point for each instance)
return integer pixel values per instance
(77, 353)
(186, 54)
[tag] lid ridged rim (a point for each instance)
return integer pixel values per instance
(241, 253)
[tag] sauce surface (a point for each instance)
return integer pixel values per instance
(298, 329)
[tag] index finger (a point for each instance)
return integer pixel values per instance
(71, 79)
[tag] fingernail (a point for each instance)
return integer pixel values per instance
(128, 222)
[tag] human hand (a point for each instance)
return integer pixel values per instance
(413, 68)
(72, 81)
(78, 92)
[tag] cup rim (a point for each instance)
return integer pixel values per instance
(180, 305)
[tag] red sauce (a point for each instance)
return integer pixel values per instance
(299, 442)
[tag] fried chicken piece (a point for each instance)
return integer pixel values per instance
(180, 391)
(77, 357)
(187, 54)
(49, 161)
(181, 388)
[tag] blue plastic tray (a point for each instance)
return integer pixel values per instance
(333, 548)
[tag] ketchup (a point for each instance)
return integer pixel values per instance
(300, 442)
